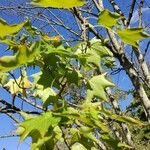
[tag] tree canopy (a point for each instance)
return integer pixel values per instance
(58, 68)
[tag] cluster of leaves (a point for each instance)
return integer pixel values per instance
(142, 135)
(85, 123)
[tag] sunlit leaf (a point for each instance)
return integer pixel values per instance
(53, 38)
(125, 119)
(26, 116)
(78, 146)
(124, 145)
(18, 85)
(58, 3)
(108, 19)
(132, 36)
(24, 54)
(93, 52)
(3, 78)
(97, 87)
(42, 143)
(99, 47)
(38, 127)
(128, 119)
(47, 95)
(42, 87)
(6, 29)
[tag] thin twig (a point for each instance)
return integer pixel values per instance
(131, 12)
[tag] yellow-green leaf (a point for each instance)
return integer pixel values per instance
(78, 146)
(18, 85)
(128, 119)
(58, 3)
(94, 52)
(47, 95)
(3, 78)
(37, 127)
(108, 19)
(124, 145)
(24, 54)
(97, 86)
(6, 29)
(132, 36)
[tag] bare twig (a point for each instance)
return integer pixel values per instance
(131, 12)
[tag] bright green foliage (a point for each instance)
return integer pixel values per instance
(3, 78)
(47, 95)
(83, 120)
(125, 119)
(45, 130)
(7, 29)
(141, 137)
(97, 86)
(42, 89)
(78, 146)
(18, 85)
(92, 53)
(114, 143)
(58, 3)
(99, 47)
(70, 84)
(41, 129)
(11, 44)
(132, 36)
(23, 55)
(108, 19)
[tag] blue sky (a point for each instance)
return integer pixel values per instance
(122, 81)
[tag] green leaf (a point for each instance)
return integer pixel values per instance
(26, 116)
(43, 78)
(127, 119)
(91, 110)
(38, 127)
(78, 137)
(78, 146)
(47, 95)
(18, 85)
(58, 133)
(7, 29)
(119, 118)
(95, 50)
(9, 42)
(88, 115)
(132, 36)
(113, 143)
(97, 86)
(24, 55)
(58, 3)
(42, 143)
(42, 83)
(108, 19)
(124, 145)
(73, 77)
(48, 142)
(100, 48)
(3, 78)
